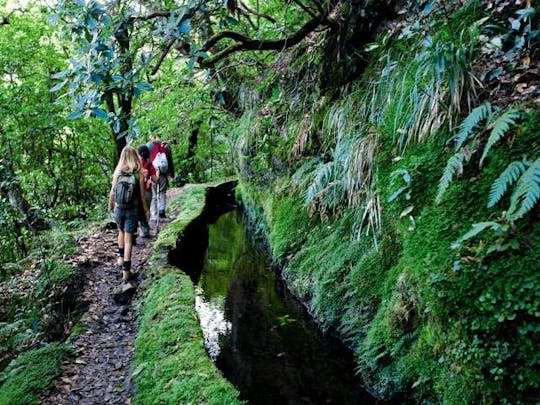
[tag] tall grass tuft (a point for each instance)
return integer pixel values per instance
(424, 79)
(420, 91)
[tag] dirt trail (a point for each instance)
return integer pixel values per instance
(99, 372)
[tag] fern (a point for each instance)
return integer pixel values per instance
(527, 192)
(500, 127)
(473, 119)
(509, 176)
(454, 165)
(324, 174)
(478, 228)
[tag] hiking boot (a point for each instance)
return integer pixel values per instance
(127, 275)
(123, 293)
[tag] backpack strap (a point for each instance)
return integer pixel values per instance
(156, 147)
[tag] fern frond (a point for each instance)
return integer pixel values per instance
(324, 174)
(473, 119)
(527, 192)
(478, 228)
(501, 125)
(454, 165)
(505, 179)
(305, 175)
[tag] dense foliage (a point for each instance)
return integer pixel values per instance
(388, 151)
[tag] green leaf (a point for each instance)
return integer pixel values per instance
(144, 86)
(527, 192)
(99, 113)
(231, 21)
(184, 27)
(58, 86)
(526, 12)
(396, 194)
(478, 228)
(75, 114)
(370, 47)
(466, 128)
(454, 165)
(61, 75)
(505, 179)
(501, 125)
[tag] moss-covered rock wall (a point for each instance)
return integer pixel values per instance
(349, 191)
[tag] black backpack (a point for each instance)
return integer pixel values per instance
(125, 190)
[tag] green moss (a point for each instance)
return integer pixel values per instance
(187, 206)
(31, 374)
(171, 364)
(445, 325)
(291, 225)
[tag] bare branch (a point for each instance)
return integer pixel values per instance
(172, 41)
(303, 7)
(224, 34)
(245, 43)
(151, 16)
(163, 55)
(319, 6)
(5, 19)
(243, 12)
(256, 13)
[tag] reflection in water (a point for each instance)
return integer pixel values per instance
(213, 323)
(258, 335)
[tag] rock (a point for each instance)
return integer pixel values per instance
(123, 293)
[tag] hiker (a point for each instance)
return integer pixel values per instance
(161, 158)
(127, 194)
(150, 177)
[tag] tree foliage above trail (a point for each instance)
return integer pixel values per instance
(120, 46)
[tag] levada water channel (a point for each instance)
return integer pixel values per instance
(258, 335)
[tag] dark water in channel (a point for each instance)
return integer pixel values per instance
(256, 333)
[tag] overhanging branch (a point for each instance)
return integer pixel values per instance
(244, 43)
(151, 16)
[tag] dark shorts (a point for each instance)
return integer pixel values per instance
(126, 219)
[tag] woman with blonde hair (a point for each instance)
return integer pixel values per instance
(125, 199)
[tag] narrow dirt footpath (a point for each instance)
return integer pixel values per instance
(99, 372)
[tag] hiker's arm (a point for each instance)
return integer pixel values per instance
(171, 163)
(154, 175)
(142, 190)
(111, 200)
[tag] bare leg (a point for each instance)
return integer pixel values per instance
(128, 243)
(120, 259)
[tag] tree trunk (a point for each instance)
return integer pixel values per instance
(192, 144)
(12, 191)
